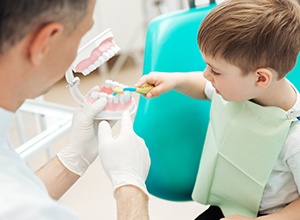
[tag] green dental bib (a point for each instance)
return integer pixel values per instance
(242, 145)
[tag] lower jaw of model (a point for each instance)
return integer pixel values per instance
(116, 103)
(90, 57)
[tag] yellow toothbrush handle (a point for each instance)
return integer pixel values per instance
(144, 89)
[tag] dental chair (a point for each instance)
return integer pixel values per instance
(173, 125)
(294, 75)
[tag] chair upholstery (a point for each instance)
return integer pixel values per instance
(294, 75)
(173, 125)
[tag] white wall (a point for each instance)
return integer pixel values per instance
(127, 19)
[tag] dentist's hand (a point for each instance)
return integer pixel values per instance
(163, 82)
(82, 149)
(125, 159)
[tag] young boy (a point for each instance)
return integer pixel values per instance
(250, 163)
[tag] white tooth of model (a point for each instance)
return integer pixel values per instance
(114, 84)
(115, 99)
(102, 95)
(94, 95)
(110, 98)
(105, 56)
(110, 52)
(86, 72)
(97, 64)
(101, 60)
(92, 68)
(107, 83)
(114, 49)
(127, 96)
(122, 98)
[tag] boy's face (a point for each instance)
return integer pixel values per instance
(229, 81)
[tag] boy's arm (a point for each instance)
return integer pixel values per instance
(290, 212)
(189, 83)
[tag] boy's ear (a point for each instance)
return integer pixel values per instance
(264, 77)
(42, 41)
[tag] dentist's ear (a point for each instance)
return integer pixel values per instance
(42, 40)
(264, 77)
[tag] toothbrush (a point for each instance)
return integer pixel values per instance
(144, 89)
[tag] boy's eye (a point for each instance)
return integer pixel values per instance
(214, 72)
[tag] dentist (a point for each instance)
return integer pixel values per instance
(38, 42)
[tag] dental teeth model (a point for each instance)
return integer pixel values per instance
(116, 104)
(89, 57)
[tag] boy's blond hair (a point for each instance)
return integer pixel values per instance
(253, 33)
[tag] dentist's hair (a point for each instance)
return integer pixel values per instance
(18, 17)
(253, 34)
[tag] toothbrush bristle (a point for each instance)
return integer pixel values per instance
(118, 90)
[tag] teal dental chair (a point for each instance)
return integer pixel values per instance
(294, 75)
(173, 125)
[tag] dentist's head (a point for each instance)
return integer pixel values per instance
(38, 43)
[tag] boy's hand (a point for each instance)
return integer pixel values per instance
(236, 217)
(163, 82)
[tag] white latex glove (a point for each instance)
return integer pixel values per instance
(125, 159)
(82, 149)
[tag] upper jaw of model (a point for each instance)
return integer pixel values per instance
(95, 53)
(89, 57)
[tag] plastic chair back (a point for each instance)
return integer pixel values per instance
(294, 75)
(173, 125)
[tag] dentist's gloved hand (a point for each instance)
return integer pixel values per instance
(125, 158)
(82, 149)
